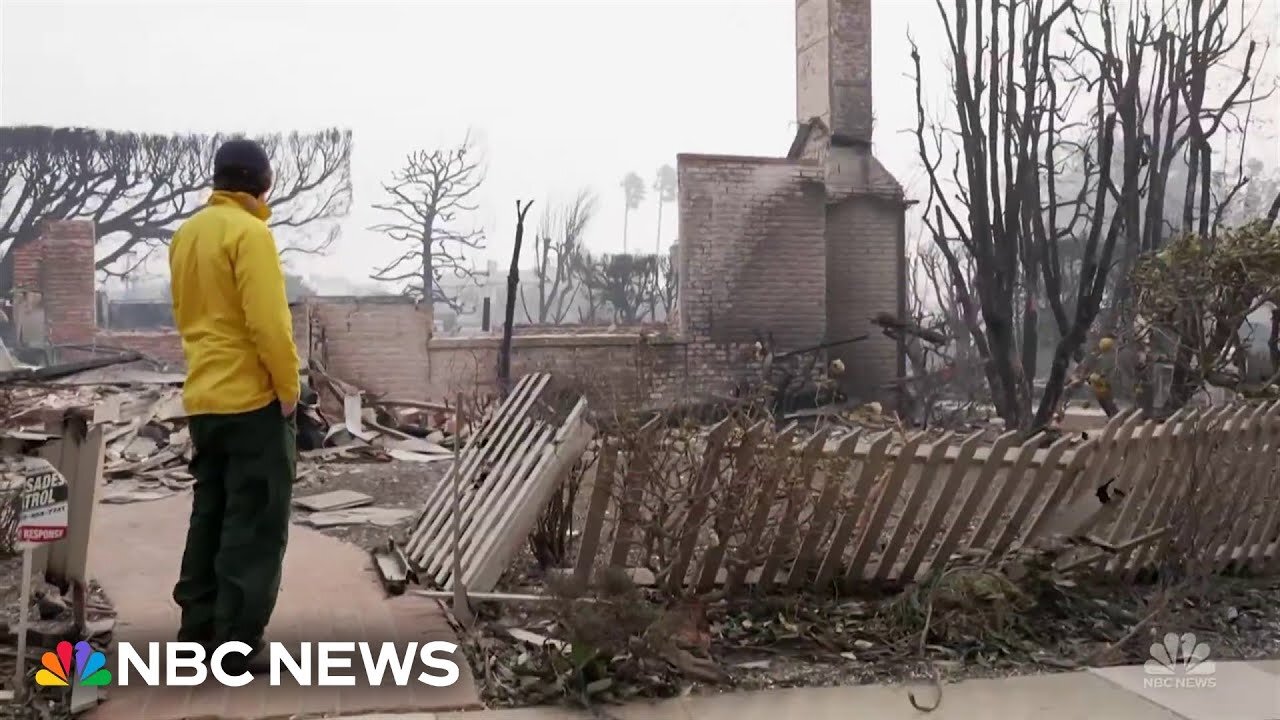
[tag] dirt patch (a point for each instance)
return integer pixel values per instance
(980, 628)
(49, 620)
(395, 484)
(45, 704)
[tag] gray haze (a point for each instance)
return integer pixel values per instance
(561, 94)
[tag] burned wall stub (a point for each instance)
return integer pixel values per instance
(59, 266)
(865, 230)
(865, 272)
(755, 260)
(808, 247)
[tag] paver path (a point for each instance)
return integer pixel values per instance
(329, 592)
(1243, 691)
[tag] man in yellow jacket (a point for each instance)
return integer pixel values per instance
(240, 395)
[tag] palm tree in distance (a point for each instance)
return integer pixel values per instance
(665, 186)
(633, 189)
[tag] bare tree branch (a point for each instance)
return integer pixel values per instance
(138, 187)
(426, 196)
(558, 243)
(1053, 203)
(626, 284)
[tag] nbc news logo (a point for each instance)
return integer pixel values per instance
(90, 666)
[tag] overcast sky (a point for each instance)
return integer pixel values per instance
(563, 95)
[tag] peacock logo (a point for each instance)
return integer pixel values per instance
(90, 665)
(1179, 655)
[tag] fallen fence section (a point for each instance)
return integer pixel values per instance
(735, 506)
(505, 476)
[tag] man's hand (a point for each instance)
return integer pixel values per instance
(288, 408)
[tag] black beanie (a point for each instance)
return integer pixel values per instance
(241, 165)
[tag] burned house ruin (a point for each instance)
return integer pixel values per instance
(806, 248)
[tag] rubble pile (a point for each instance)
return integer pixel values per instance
(344, 416)
(148, 446)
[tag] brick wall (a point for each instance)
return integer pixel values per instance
(380, 343)
(752, 250)
(865, 245)
(166, 345)
(817, 144)
(607, 366)
(761, 250)
(850, 37)
(864, 266)
(805, 249)
(813, 60)
(652, 328)
(618, 370)
(833, 66)
(59, 265)
(163, 345)
(54, 282)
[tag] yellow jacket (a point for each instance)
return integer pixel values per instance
(230, 306)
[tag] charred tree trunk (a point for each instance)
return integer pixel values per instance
(513, 286)
(429, 291)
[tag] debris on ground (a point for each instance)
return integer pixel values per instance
(347, 507)
(368, 462)
(50, 620)
(147, 443)
(982, 625)
(333, 500)
(382, 517)
(389, 445)
(395, 484)
(392, 567)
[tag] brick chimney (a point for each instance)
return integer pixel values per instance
(58, 264)
(833, 67)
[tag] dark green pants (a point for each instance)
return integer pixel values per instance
(244, 467)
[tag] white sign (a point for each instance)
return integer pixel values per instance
(42, 505)
(42, 518)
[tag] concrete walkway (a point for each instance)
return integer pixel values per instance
(329, 592)
(1244, 691)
